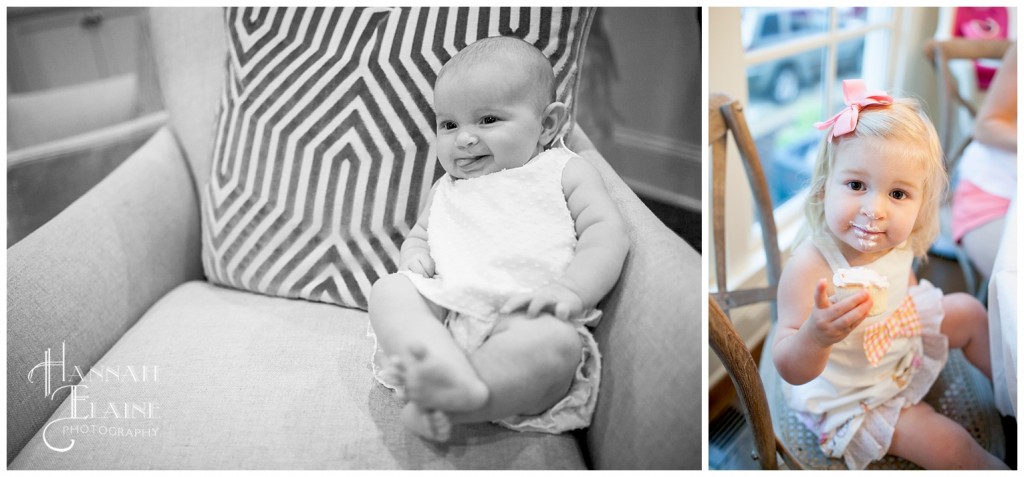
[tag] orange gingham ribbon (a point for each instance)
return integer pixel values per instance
(903, 323)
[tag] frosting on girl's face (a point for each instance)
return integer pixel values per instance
(872, 198)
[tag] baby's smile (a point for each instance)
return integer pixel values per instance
(463, 160)
(471, 163)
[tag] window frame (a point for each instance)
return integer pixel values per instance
(744, 246)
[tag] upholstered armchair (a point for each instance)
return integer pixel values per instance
(178, 370)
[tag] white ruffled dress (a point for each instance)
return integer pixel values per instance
(495, 236)
(853, 406)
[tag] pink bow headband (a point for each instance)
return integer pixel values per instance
(857, 97)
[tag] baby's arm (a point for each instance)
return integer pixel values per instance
(415, 253)
(809, 324)
(600, 251)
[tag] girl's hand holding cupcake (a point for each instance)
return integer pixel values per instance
(830, 322)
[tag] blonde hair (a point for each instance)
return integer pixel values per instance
(909, 135)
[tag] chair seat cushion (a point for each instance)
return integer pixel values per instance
(961, 393)
(216, 378)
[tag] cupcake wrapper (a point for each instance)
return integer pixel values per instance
(879, 297)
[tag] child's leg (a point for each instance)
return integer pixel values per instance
(403, 320)
(933, 441)
(527, 364)
(966, 327)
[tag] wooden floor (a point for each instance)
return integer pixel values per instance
(944, 273)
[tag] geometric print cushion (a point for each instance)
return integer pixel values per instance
(324, 151)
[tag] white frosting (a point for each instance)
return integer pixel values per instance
(859, 276)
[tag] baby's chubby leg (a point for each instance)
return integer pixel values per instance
(527, 364)
(934, 441)
(400, 315)
(523, 368)
(966, 327)
(435, 373)
(404, 321)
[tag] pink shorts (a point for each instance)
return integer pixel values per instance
(973, 207)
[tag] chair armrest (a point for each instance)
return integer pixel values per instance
(44, 179)
(649, 407)
(86, 276)
(42, 117)
(95, 139)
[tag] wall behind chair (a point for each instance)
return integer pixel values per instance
(653, 98)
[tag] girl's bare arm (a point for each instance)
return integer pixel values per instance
(809, 324)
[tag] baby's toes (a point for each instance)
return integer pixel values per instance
(430, 425)
(440, 426)
(390, 375)
(393, 374)
(396, 363)
(413, 392)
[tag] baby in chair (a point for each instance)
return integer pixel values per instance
(484, 322)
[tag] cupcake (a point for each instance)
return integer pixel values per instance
(850, 281)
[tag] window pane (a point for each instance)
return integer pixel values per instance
(767, 27)
(855, 17)
(852, 17)
(787, 95)
(785, 102)
(850, 64)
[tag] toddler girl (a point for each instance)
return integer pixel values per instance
(856, 380)
(485, 319)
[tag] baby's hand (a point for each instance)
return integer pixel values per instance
(554, 298)
(419, 263)
(830, 322)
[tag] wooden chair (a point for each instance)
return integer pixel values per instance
(725, 115)
(940, 53)
(960, 392)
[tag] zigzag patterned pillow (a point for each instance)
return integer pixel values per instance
(325, 143)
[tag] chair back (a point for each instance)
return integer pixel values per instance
(742, 369)
(940, 53)
(190, 51)
(725, 115)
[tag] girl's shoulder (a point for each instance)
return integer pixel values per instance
(807, 254)
(805, 265)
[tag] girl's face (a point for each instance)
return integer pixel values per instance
(872, 198)
(486, 121)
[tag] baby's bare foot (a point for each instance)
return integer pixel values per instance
(392, 373)
(430, 425)
(434, 383)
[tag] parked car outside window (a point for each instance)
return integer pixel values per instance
(782, 80)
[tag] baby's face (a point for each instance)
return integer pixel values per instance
(487, 120)
(872, 198)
